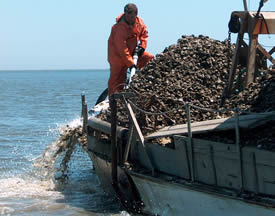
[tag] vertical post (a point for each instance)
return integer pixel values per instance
(190, 140)
(140, 135)
(84, 113)
(131, 134)
(113, 106)
(83, 102)
(238, 146)
(129, 141)
(213, 164)
(250, 76)
(235, 58)
(245, 5)
(187, 159)
(255, 173)
(85, 118)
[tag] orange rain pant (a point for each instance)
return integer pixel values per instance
(118, 73)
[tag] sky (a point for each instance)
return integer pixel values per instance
(73, 34)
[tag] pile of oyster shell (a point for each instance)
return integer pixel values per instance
(193, 70)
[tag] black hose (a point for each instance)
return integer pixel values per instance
(102, 97)
(259, 9)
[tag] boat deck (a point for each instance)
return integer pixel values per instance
(245, 122)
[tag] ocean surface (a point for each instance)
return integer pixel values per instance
(34, 105)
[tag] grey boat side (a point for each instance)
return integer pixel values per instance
(193, 176)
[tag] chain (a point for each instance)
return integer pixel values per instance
(229, 51)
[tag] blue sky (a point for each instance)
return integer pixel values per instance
(73, 34)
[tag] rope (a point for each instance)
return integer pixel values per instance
(194, 106)
(210, 110)
(150, 113)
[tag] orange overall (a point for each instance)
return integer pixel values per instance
(121, 45)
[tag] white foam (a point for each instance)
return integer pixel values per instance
(27, 188)
(104, 105)
(72, 124)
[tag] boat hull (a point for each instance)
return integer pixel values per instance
(193, 177)
(165, 198)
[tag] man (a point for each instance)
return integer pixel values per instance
(125, 35)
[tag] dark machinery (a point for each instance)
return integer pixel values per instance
(254, 24)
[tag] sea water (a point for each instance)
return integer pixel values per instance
(34, 106)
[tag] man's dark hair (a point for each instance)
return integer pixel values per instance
(130, 7)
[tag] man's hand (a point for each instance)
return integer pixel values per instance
(140, 51)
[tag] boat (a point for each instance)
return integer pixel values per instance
(190, 174)
(194, 177)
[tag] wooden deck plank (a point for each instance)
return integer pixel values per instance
(245, 121)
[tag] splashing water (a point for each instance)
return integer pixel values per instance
(28, 185)
(54, 161)
(62, 181)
